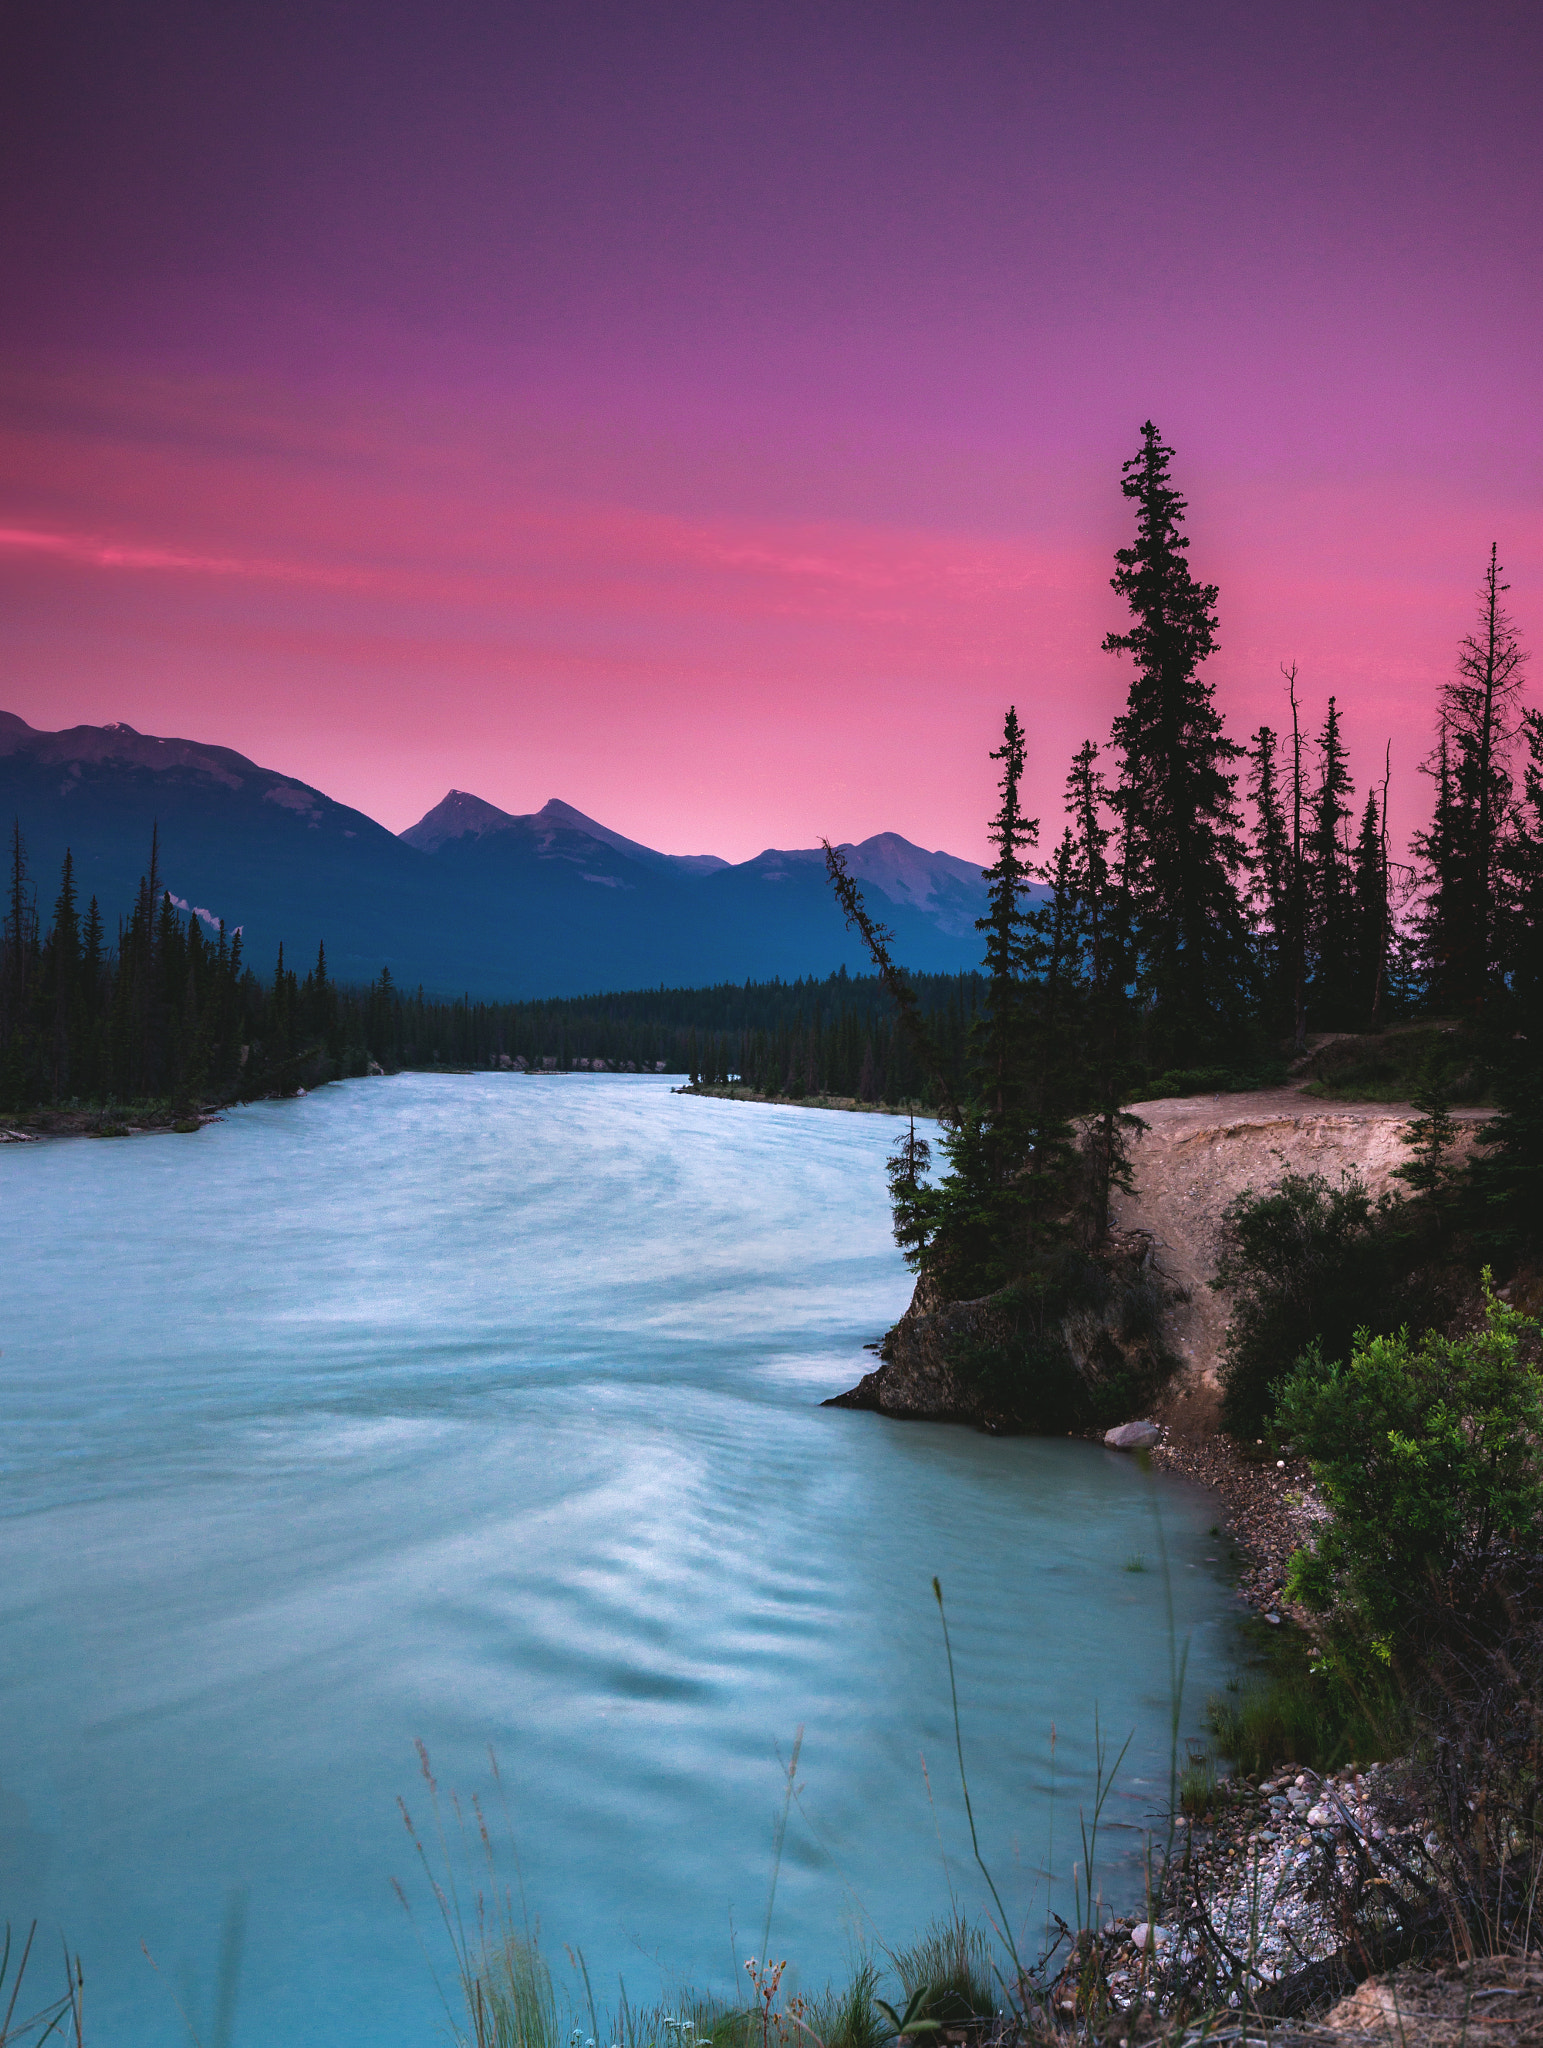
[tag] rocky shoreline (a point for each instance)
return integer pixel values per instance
(1253, 1907)
(135, 1120)
(1269, 1506)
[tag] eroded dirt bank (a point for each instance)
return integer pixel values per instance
(1200, 1151)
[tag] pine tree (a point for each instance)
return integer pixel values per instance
(1296, 930)
(1183, 844)
(1107, 1068)
(1465, 851)
(1369, 918)
(910, 1198)
(62, 977)
(1432, 1134)
(1001, 1076)
(1507, 1173)
(1271, 868)
(1328, 880)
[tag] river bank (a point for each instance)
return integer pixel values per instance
(118, 1120)
(732, 1091)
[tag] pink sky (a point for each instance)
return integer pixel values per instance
(715, 419)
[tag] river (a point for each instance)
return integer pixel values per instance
(483, 1410)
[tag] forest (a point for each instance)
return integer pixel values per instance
(164, 1010)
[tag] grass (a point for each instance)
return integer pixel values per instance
(1290, 1710)
(58, 2018)
(954, 1962)
(1199, 1785)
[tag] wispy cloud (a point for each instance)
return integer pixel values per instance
(100, 553)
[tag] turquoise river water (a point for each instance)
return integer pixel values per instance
(484, 1411)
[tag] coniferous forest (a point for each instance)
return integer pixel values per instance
(162, 1010)
(1202, 914)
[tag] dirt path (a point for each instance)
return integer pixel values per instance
(1200, 1150)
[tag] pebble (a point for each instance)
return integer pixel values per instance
(1257, 1881)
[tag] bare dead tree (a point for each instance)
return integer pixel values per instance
(876, 937)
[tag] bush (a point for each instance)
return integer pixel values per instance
(1429, 1453)
(1312, 1262)
(1387, 1066)
(1214, 1080)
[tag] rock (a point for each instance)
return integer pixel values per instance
(916, 1379)
(1133, 1436)
(933, 1357)
(1145, 1934)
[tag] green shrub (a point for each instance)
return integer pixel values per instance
(1386, 1066)
(1313, 1262)
(1429, 1453)
(1215, 1080)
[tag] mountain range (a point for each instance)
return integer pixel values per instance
(471, 898)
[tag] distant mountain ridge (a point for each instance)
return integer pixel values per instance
(472, 898)
(458, 814)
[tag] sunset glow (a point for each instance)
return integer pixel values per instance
(717, 425)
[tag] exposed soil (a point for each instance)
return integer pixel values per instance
(1199, 1151)
(1489, 1998)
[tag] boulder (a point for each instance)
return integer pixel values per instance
(1133, 1436)
(916, 1379)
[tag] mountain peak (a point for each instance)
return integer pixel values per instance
(457, 813)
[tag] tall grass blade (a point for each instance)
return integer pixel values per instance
(953, 1690)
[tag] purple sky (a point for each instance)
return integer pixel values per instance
(713, 415)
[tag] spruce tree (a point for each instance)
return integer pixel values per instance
(910, 1197)
(1369, 919)
(1183, 844)
(1329, 896)
(1271, 869)
(1507, 1173)
(1001, 1066)
(1464, 848)
(62, 964)
(1107, 1070)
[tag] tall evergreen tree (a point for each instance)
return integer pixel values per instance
(1329, 893)
(1107, 1071)
(1001, 1071)
(62, 979)
(1272, 875)
(1369, 915)
(1297, 900)
(1464, 852)
(1183, 844)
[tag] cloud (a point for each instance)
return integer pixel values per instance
(108, 554)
